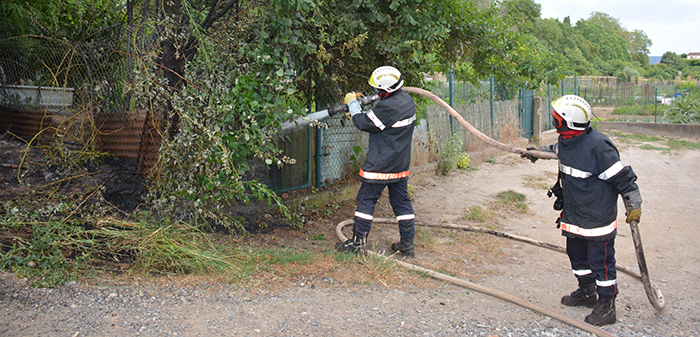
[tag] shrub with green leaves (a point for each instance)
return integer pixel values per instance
(685, 110)
(449, 155)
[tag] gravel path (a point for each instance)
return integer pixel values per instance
(318, 308)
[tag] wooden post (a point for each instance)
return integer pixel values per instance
(537, 121)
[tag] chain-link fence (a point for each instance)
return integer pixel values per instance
(43, 73)
(643, 99)
(338, 151)
(606, 91)
(72, 94)
(503, 126)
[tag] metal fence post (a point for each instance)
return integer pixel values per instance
(319, 164)
(562, 87)
(493, 128)
(452, 100)
(549, 101)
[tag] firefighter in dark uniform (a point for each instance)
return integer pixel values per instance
(390, 126)
(591, 176)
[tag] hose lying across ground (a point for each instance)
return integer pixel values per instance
(653, 292)
(477, 287)
(657, 301)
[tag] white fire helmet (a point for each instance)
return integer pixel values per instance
(386, 78)
(572, 109)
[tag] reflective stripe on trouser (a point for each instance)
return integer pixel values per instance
(367, 198)
(594, 261)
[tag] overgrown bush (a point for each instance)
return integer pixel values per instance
(685, 110)
(449, 155)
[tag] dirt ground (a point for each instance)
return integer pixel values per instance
(371, 298)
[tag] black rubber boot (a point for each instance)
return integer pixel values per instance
(584, 296)
(603, 313)
(353, 245)
(405, 247)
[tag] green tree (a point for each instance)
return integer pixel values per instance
(228, 72)
(590, 46)
(638, 45)
(671, 59)
(607, 44)
(525, 14)
(609, 23)
(551, 34)
(59, 19)
(661, 71)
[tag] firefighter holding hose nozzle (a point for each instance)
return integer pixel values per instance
(390, 126)
(591, 176)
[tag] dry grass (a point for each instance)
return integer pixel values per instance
(544, 181)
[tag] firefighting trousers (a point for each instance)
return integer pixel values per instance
(367, 198)
(594, 261)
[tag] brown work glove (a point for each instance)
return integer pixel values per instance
(349, 97)
(529, 156)
(634, 215)
(633, 205)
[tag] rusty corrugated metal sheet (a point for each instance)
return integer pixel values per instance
(23, 123)
(120, 134)
(150, 142)
(129, 135)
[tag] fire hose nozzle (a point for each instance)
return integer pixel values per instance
(367, 100)
(363, 100)
(334, 110)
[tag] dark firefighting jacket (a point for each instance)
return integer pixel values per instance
(390, 125)
(592, 176)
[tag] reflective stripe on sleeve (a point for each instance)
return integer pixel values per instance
(377, 122)
(406, 217)
(364, 216)
(576, 173)
(383, 176)
(405, 122)
(589, 232)
(608, 283)
(582, 272)
(611, 171)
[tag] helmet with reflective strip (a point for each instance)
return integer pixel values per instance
(574, 110)
(386, 78)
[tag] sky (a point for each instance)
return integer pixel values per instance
(671, 25)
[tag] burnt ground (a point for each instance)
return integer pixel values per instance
(109, 181)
